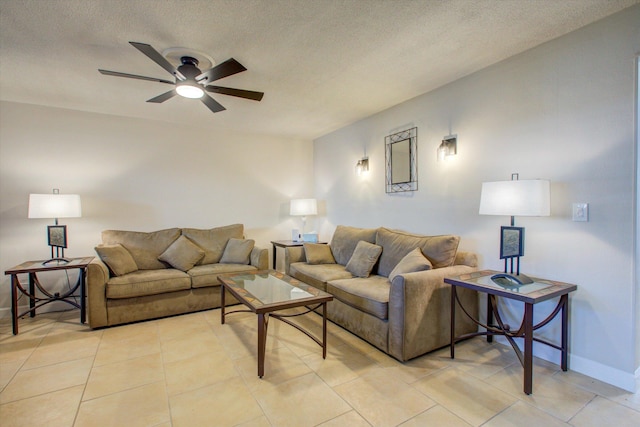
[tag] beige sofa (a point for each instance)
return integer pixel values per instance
(401, 305)
(140, 276)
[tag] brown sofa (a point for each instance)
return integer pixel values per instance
(140, 276)
(388, 286)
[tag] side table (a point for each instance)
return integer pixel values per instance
(531, 294)
(32, 268)
(285, 244)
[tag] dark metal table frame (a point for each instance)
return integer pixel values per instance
(527, 327)
(265, 311)
(37, 301)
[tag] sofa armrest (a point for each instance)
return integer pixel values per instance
(260, 258)
(97, 277)
(419, 311)
(293, 254)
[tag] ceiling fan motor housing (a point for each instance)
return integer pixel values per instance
(189, 68)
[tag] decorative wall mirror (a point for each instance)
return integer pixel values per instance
(401, 152)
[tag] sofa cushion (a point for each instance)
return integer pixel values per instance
(237, 251)
(147, 282)
(204, 276)
(117, 258)
(183, 254)
(412, 262)
(145, 248)
(363, 259)
(439, 250)
(213, 240)
(319, 274)
(370, 295)
(345, 239)
(317, 253)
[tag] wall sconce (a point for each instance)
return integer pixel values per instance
(448, 147)
(362, 167)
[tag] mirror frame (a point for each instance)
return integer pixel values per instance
(412, 184)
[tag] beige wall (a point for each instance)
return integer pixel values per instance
(563, 111)
(139, 175)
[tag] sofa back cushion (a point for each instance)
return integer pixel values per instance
(440, 250)
(213, 240)
(145, 248)
(345, 239)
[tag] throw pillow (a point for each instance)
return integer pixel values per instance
(117, 258)
(363, 259)
(412, 262)
(317, 253)
(237, 251)
(182, 254)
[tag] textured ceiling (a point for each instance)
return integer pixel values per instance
(322, 64)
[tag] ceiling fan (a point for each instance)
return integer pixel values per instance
(190, 82)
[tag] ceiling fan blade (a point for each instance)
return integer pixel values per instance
(220, 71)
(156, 57)
(240, 93)
(161, 98)
(212, 104)
(133, 76)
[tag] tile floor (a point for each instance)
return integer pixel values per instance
(192, 371)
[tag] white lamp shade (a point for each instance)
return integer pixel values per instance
(54, 206)
(303, 207)
(515, 198)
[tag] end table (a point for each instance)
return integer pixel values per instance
(531, 294)
(36, 301)
(287, 244)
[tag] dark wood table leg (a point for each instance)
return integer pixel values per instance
(564, 300)
(83, 291)
(453, 320)
(324, 330)
(14, 303)
(528, 348)
(222, 303)
(489, 316)
(273, 256)
(262, 341)
(32, 297)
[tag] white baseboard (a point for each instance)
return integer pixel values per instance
(607, 374)
(604, 373)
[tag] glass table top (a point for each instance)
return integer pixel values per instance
(522, 289)
(271, 288)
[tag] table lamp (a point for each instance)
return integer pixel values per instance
(302, 207)
(514, 198)
(55, 206)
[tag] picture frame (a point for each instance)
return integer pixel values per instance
(511, 242)
(57, 236)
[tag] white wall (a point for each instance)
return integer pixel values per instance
(563, 111)
(139, 175)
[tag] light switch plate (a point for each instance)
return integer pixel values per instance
(580, 212)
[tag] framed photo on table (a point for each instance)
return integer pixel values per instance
(511, 242)
(57, 235)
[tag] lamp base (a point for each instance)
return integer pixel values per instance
(506, 279)
(58, 260)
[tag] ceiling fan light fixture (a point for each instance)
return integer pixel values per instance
(189, 90)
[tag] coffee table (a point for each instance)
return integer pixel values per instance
(267, 291)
